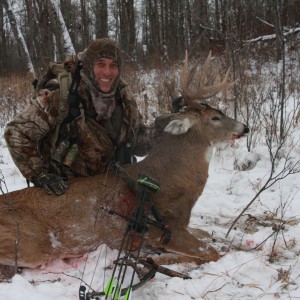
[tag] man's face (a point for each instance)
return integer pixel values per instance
(106, 70)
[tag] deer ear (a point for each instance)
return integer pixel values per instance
(178, 126)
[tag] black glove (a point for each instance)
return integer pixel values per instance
(51, 183)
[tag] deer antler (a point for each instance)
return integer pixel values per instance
(170, 86)
(201, 91)
(177, 99)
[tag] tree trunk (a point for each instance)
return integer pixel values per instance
(181, 20)
(127, 26)
(62, 34)
(277, 10)
(172, 30)
(101, 13)
(85, 25)
(19, 37)
(154, 27)
(3, 46)
(280, 41)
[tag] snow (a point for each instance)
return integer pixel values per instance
(244, 270)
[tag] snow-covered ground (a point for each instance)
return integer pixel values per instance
(271, 225)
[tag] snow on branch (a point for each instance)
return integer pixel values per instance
(273, 36)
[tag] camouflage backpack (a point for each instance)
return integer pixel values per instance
(57, 77)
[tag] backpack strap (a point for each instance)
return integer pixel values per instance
(73, 98)
(65, 80)
(68, 95)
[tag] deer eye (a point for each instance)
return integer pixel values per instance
(215, 118)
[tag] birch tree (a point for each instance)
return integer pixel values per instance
(19, 37)
(66, 39)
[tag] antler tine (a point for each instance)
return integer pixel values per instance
(187, 76)
(170, 85)
(205, 68)
(201, 91)
(184, 71)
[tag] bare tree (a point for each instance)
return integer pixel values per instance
(280, 41)
(3, 42)
(19, 37)
(101, 23)
(127, 26)
(85, 35)
(59, 24)
(154, 32)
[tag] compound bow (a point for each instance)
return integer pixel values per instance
(138, 222)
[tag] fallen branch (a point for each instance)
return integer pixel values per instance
(272, 36)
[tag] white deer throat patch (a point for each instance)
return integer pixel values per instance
(209, 153)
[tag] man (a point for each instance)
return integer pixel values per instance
(48, 150)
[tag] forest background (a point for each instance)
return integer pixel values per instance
(152, 34)
(143, 28)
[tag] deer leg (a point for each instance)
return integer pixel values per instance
(173, 258)
(183, 242)
(177, 216)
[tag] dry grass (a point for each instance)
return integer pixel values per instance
(16, 86)
(16, 89)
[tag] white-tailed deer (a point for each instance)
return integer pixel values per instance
(36, 228)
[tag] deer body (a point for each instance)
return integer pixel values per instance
(180, 162)
(47, 227)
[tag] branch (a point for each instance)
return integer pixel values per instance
(288, 169)
(272, 36)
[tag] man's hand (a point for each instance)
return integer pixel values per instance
(51, 183)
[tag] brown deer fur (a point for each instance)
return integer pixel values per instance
(48, 227)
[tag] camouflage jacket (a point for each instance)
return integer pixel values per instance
(29, 136)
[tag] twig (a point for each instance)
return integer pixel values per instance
(72, 276)
(249, 204)
(258, 246)
(213, 291)
(287, 170)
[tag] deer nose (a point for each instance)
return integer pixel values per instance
(246, 129)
